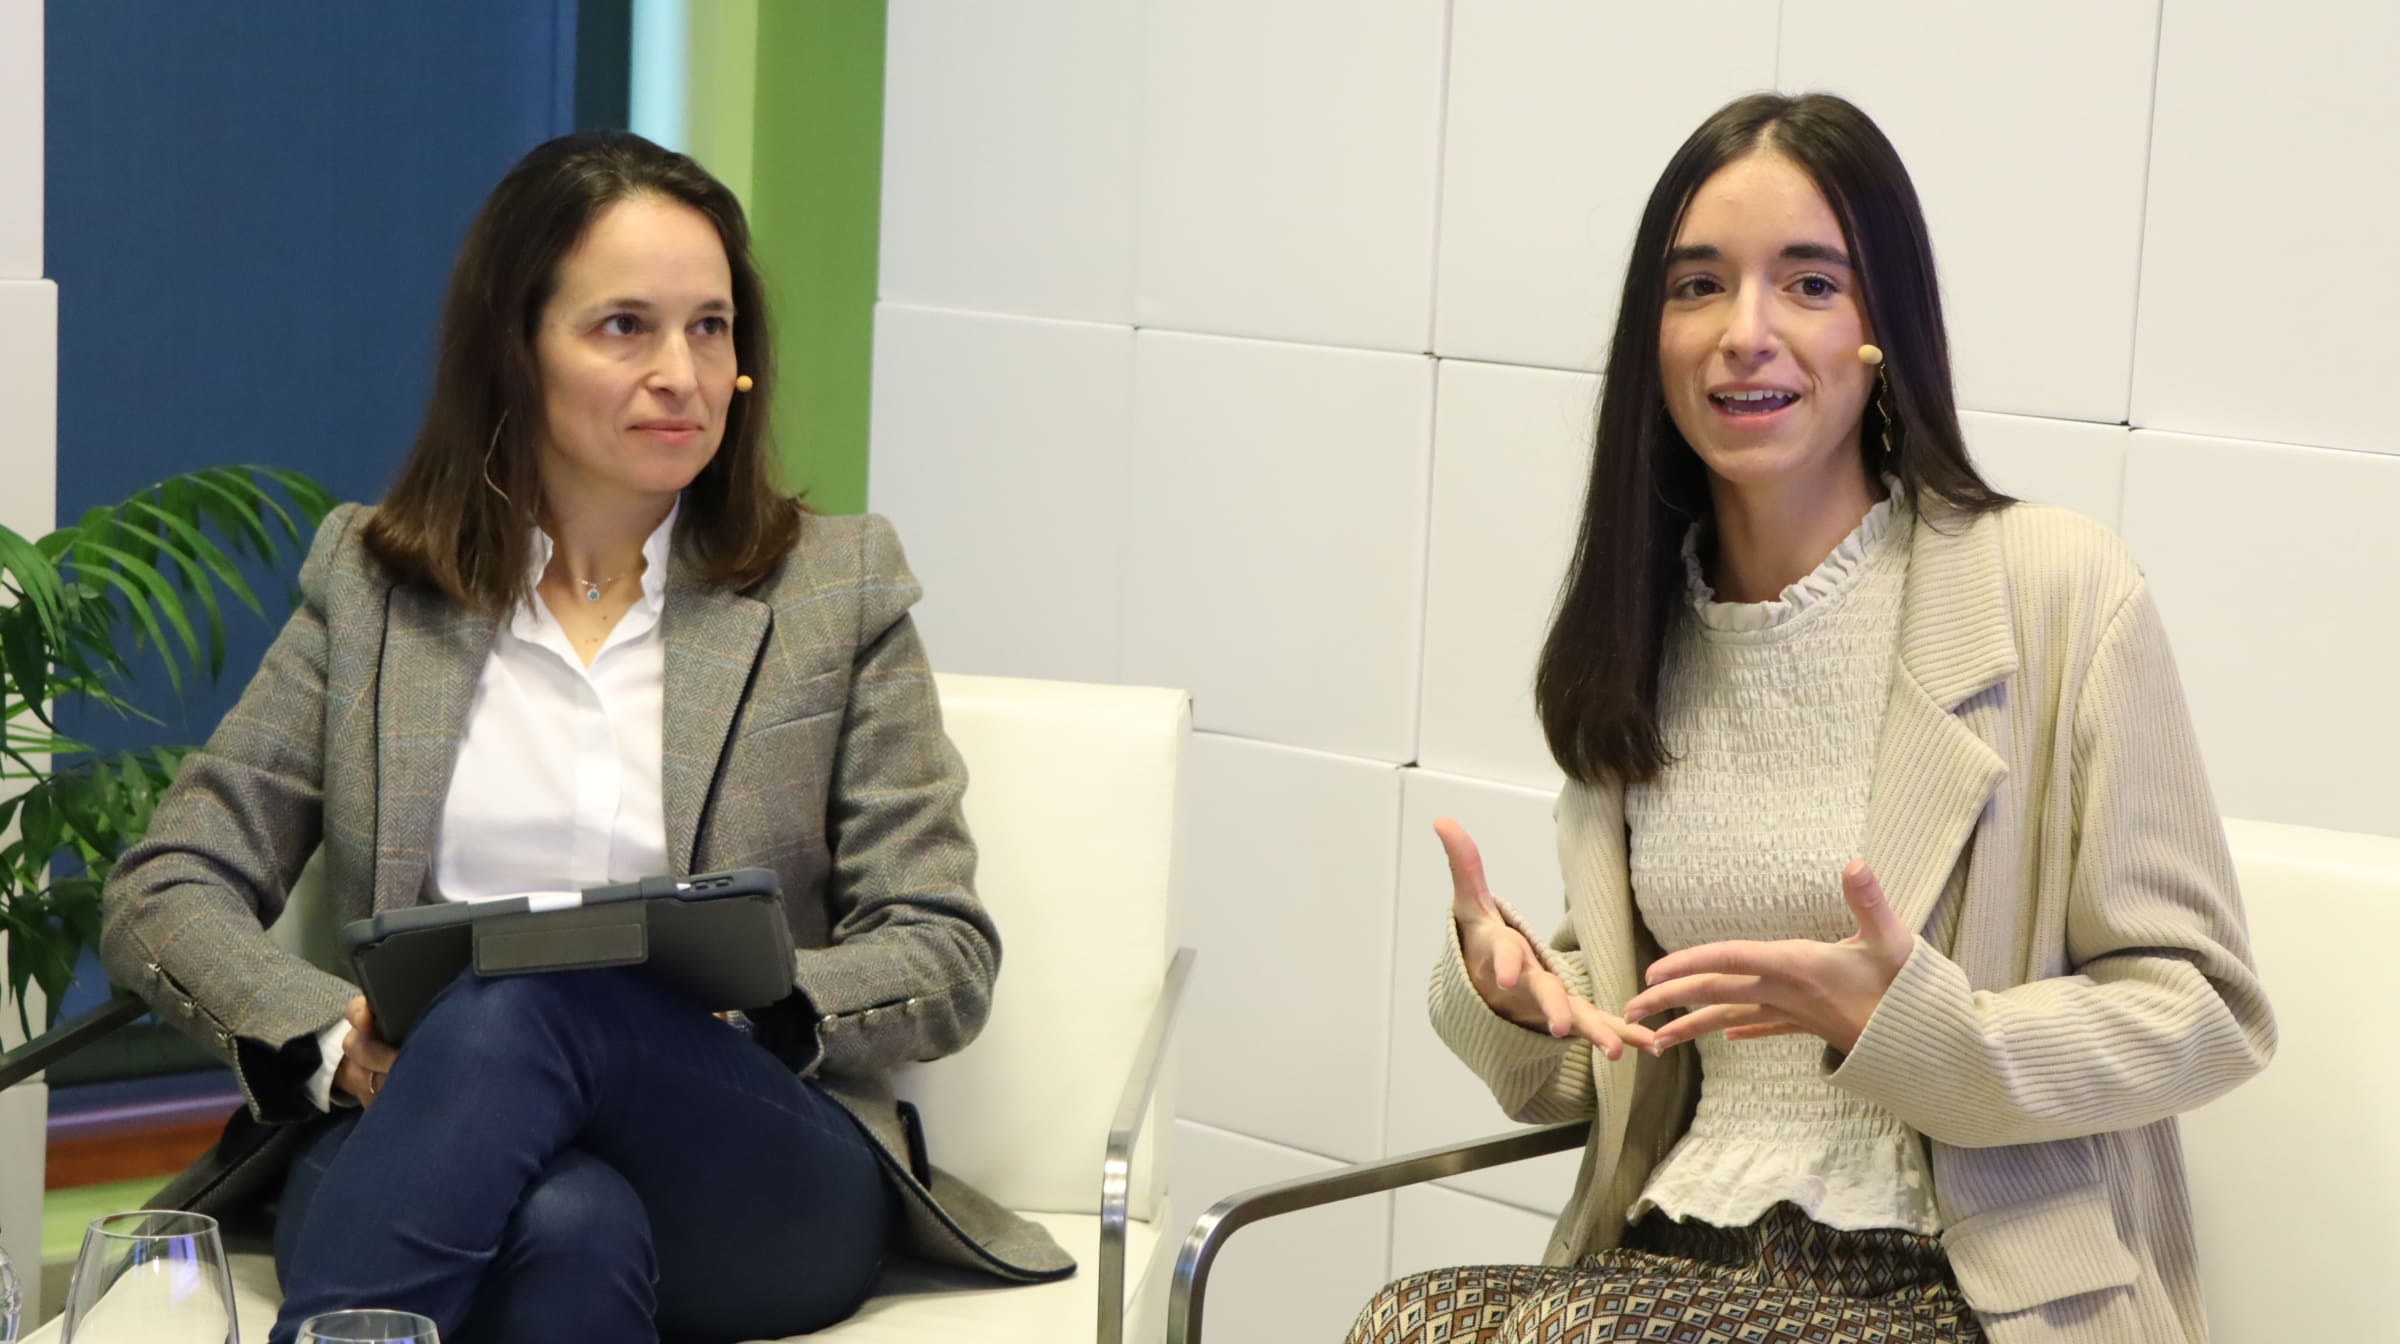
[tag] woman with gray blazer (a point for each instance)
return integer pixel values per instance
(586, 639)
(1900, 923)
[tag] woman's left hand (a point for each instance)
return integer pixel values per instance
(1752, 989)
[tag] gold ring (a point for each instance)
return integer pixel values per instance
(374, 1084)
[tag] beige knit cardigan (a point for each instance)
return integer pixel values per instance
(2082, 973)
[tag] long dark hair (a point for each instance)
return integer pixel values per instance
(1596, 686)
(441, 523)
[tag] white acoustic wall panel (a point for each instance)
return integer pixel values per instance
(28, 505)
(1435, 1099)
(21, 124)
(1286, 890)
(2266, 285)
(2268, 563)
(24, 1113)
(1297, 1279)
(998, 450)
(1009, 140)
(1561, 115)
(1433, 1228)
(1290, 150)
(29, 389)
(1275, 556)
(1511, 457)
(2024, 127)
(2069, 463)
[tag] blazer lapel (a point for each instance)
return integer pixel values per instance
(713, 640)
(1933, 772)
(433, 654)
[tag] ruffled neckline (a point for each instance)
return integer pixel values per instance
(1836, 574)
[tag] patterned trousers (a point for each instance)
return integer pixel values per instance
(1782, 1278)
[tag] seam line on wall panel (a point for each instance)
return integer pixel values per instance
(1775, 79)
(1278, 340)
(2124, 474)
(2141, 238)
(1965, 409)
(2045, 419)
(1137, 94)
(2376, 454)
(953, 310)
(1441, 174)
(1544, 793)
(1390, 1020)
(1425, 468)
(1129, 434)
(1587, 370)
(1137, 264)
(1343, 757)
(1391, 955)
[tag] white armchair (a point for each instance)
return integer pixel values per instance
(1071, 794)
(2295, 1176)
(1072, 798)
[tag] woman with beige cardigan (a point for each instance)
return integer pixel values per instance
(1900, 920)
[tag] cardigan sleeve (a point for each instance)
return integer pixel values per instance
(2163, 1009)
(1537, 1078)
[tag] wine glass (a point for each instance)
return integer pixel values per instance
(9, 1299)
(151, 1277)
(368, 1327)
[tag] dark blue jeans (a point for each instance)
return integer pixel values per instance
(585, 1156)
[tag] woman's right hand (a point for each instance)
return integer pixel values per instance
(366, 1057)
(1505, 968)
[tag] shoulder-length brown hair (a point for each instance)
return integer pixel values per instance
(1596, 686)
(460, 516)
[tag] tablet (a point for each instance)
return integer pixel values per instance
(719, 937)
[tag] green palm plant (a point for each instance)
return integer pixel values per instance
(77, 608)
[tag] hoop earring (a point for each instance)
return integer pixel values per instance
(1883, 408)
(489, 449)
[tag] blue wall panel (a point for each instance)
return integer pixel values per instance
(251, 213)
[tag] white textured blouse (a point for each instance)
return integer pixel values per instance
(557, 784)
(1770, 713)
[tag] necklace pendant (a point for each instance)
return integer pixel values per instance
(591, 592)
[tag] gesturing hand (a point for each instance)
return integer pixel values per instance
(1504, 967)
(1752, 989)
(366, 1058)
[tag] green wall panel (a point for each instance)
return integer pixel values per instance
(815, 193)
(720, 83)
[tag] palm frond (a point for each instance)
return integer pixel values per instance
(143, 576)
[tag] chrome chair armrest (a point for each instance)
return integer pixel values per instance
(68, 1037)
(1234, 1212)
(1116, 1168)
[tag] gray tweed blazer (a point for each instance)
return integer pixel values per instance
(802, 735)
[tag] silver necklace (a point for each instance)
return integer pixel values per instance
(591, 587)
